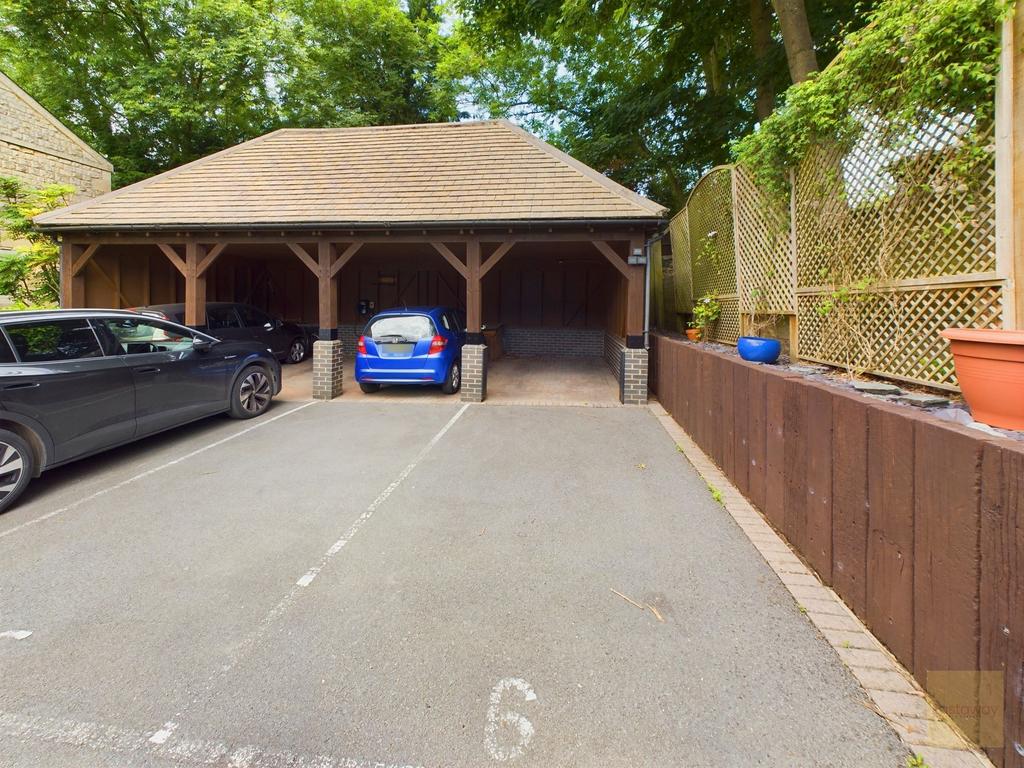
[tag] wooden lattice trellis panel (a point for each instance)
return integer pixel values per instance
(727, 327)
(764, 249)
(712, 254)
(703, 252)
(895, 333)
(679, 231)
(712, 249)
(895, 241)
(897, 210)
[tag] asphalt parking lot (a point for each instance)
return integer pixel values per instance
(407, 584)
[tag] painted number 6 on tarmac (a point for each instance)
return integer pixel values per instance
(508, 733)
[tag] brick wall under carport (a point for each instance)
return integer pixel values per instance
(918, 524)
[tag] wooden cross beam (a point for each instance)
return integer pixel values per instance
(211, 257)
(85, 258)
(612, 256)
(495, 257)
(305, 258)
(346, 255)
(173, 257)
(452, 259)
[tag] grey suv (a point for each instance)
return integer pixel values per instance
(76, 382)
(232, 321)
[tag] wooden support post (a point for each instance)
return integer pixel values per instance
(474, 296)
(195, 285)
(328, 290)
(72, 283)
(1010, 171)
(635, 299)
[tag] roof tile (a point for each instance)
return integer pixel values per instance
(413, 174)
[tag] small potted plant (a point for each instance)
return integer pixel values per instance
(705, 312)
(755, 347)
(990, 368)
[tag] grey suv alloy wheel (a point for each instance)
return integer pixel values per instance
(16, 467)
(251, 394)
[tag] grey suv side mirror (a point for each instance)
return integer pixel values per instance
(202, 345)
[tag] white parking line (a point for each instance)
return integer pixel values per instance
(109, 738)
(311, 574)
(148, 472)
(307, 578)
(163, 734)
(242, 649)
(16, 634)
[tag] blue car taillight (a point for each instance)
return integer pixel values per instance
(361, 345)
(437, 345)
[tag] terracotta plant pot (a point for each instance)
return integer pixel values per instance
(693, 334)
(990, 367)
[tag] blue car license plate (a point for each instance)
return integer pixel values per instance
(395, 349)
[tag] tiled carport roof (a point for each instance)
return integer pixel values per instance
(432, 174)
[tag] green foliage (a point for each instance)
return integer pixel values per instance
(156, 83)
(30, 275)
(913, 63)
(650, 92)
(705, 312)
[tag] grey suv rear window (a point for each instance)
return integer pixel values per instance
(410, 327)
(6, 355)
(53, 340)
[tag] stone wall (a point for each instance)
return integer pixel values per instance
(36, 148)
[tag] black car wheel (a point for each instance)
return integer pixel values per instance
(252, 393)
(369, 388)
(297, 351)
(453, 381)
(17, 464)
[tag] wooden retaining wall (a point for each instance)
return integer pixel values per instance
(918, 524)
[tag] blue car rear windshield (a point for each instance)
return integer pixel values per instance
(409, 327)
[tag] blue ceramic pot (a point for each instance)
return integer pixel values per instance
(758, 350)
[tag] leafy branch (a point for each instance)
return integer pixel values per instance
(29, 274)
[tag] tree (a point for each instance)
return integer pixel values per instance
(30, 275)
(153, 84)
(796, 35)
(361, 62)
(652, 92)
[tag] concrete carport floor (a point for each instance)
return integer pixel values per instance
(519, 380)
(351, 585)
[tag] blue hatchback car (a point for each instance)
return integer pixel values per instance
(412, 345)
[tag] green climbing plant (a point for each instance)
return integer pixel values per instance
(914, 62)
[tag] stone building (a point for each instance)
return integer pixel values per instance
(38, 149)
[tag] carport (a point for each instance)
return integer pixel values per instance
(545, 255)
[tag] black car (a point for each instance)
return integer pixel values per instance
(233, 321)
(76, 382)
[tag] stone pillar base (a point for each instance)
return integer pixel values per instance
(474, 373)
(633, 377)
(327, 360)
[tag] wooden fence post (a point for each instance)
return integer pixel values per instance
(1010, 171)
(794, 319)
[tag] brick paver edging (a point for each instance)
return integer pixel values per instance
(895, 694)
